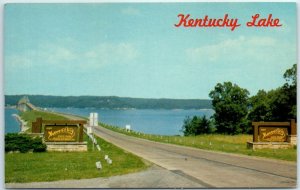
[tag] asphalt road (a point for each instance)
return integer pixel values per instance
(208, 169)
(205, 169)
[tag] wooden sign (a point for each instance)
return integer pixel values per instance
(64, 133)
(273, 134)
(273, 131)
(37, 126)
(60, 130)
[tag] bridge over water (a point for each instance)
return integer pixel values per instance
(25, 105)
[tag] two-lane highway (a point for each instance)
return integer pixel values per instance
(210, 169)
(207, 168)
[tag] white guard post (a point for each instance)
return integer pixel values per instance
(89, 130)
(93, 123)
(128, 128)
(98, 165)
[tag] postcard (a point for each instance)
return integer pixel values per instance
(150, 95)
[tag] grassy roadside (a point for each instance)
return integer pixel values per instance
(52, 166)
(215, 142)
(30, 116)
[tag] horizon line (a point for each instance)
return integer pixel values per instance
(106, 96)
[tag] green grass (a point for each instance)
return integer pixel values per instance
(30, 116)
(52, 166)
(236, 144)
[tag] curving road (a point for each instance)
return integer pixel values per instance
(208, 169)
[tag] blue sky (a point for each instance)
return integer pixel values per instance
(134, 50)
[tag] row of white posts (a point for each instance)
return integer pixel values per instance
(99, 165)
(93, 122)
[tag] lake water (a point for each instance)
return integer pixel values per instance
(11, 123)
(161, 122)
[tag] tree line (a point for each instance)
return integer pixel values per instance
(235, 109)
(110, 102)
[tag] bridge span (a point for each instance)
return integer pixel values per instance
(25, 105)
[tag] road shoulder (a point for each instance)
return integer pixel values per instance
(154, 177)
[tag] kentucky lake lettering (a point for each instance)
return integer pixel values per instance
(263, 22)
(186, 21)
(226, 21)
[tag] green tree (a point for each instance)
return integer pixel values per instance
(196, 126)
(284, 102)
(281, 106)
(230, 103)
(290, 76)
(260, 106)
(290, 90)
(276, 105)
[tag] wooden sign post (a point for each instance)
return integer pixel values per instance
(273, 134)
(61, 126)
(61, 135)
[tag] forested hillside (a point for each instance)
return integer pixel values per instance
(110, 102)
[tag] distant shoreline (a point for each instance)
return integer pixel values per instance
(10, 107)
(111, 102)
(23, 124)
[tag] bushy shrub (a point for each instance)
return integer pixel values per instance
(23, 143)
(197, 126)
(38, 145)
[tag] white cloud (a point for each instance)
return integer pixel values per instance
(47, 54)
(17, 61)
(108, 53)
(242, 49)
(54, 53)
(130, 11)
(285, 27)
(245, 61)
(63, 56)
